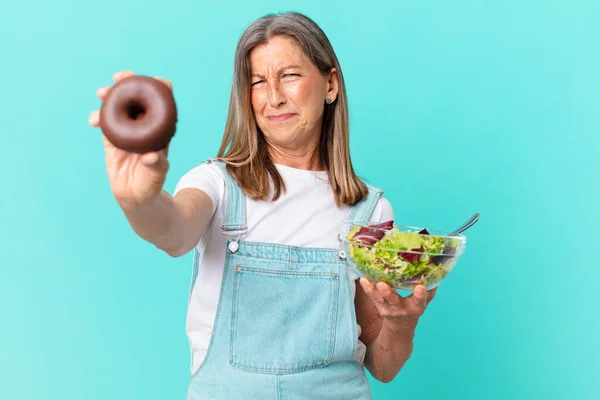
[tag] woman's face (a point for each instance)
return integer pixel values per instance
(288, 93)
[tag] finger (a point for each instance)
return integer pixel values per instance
(165, 81)
(156, 159)
(151, 158)
(122, 75)
(388, 294)
(102, 92)
(419, 296)
(367, 286)
(94, 118)
(371, 291)
(163, 153)
(161, 165)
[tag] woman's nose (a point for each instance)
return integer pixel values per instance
(276, 94)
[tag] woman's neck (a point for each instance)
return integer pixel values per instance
(307, 158)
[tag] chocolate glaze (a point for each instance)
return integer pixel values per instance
(139, 115)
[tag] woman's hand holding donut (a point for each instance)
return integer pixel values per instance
(135, 178)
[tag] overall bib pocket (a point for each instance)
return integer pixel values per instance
(269, 337)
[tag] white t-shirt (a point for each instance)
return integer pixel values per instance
(305, 215)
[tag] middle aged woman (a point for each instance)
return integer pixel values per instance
(274, 310)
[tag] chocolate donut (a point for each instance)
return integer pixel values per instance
(139, 115)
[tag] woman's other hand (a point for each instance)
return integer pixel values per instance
(401, 314)
(134, 178)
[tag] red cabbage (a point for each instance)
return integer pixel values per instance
(369, 235)
(447, 254)
(411, 257)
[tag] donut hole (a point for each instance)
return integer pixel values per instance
(135, 110)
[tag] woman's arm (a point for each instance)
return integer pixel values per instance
(388, 324)
(173, 224)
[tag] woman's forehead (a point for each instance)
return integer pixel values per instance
(276, 54)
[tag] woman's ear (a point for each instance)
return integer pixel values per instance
(332, 86)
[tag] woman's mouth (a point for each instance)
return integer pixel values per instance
(280, 117)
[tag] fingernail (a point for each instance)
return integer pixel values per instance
(367, 285)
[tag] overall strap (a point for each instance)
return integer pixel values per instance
(234, 216)
(361, 211)
(234, 213)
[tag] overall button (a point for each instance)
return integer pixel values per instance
(234, 246)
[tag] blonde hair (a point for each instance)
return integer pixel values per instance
(244, 148)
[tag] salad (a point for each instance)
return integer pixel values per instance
(398, 258)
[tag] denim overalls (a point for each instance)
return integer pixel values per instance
(285, 326)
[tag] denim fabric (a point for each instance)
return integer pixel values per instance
(285, 327)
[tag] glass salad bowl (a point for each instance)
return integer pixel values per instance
(399, 255)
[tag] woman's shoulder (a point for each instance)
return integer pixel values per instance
(206, 177)
(383, 210)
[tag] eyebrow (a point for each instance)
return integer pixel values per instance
(278, 71)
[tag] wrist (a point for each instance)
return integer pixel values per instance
(134, 206)
(401, 329)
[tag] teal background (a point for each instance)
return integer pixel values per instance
(456, 107)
